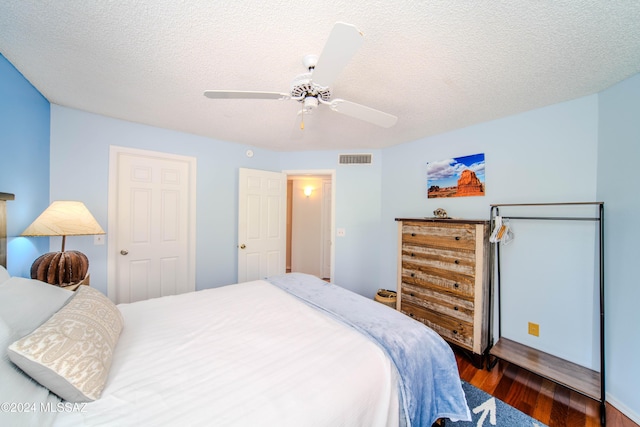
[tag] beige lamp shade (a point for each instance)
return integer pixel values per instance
(62, 218)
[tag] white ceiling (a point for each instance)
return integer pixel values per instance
(437, 65)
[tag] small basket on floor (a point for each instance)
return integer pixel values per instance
(387, 297)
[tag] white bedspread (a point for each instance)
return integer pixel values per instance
(241, 355)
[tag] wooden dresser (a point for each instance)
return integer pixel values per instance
(443, 278)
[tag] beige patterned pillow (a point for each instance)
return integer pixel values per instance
(70, 353)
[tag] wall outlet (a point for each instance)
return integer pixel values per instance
(341, 232)
(534, 329)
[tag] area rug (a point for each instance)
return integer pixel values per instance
(487, 411)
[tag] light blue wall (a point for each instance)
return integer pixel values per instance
(357, 211)
(80, 154)
(24, 154)
(80, 144)
(541, 156)
(545, 155)
(618, 159)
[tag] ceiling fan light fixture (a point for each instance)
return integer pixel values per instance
(310, 102)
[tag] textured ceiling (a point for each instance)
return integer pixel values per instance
(437, 65)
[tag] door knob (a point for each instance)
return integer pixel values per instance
(242, 246)
(124, 252)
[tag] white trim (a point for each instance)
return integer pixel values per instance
(628, 412)
(332, 173)
(479, 304)
(112, 250)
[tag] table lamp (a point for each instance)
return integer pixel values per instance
(63, 218)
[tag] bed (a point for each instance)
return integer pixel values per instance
(290, 350)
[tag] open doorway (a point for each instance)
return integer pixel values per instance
(310, 207)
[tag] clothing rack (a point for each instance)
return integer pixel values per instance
(578, 378)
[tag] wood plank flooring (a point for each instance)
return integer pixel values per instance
(544, 400)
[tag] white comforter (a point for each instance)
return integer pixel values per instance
(241, 355)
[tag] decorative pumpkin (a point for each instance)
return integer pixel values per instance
(60, 268)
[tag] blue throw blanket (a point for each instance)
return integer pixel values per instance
(429, 382)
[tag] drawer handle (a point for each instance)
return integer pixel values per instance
(455, 285)
(411, 294)
(413, 234)
(410, 314)
(455, 332)
(457, 237)
(456, 262)
(413, 274)
(412, 254)
(455, 308)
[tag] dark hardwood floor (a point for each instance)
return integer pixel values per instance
(544, 400)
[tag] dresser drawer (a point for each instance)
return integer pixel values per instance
(445, 281)
(440, 302)
(460, 261)
(455, 236)
(451, 329)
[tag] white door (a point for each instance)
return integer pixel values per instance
(153, 236)
(262, 216)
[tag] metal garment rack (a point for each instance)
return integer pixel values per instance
(551, 367)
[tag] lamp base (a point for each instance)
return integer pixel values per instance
(60, 268)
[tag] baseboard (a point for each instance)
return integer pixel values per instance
(623, 408)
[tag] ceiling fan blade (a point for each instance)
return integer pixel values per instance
(343, 42)
(240, 94)
(362, 112)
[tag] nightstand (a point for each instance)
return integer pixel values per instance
(75, 286)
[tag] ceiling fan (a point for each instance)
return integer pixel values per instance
(313, 88)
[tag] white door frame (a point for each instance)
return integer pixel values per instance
(332, 173)
(112, 249)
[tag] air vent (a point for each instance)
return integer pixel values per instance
(355, 159)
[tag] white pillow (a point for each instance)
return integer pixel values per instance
(4, 274)
(71, 353)
(17, 388)
(26, 304)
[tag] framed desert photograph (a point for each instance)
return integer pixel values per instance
(456, 177)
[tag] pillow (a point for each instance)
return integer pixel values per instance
(4, 274)
(26, 304)
(17, 388)
(71, 353)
